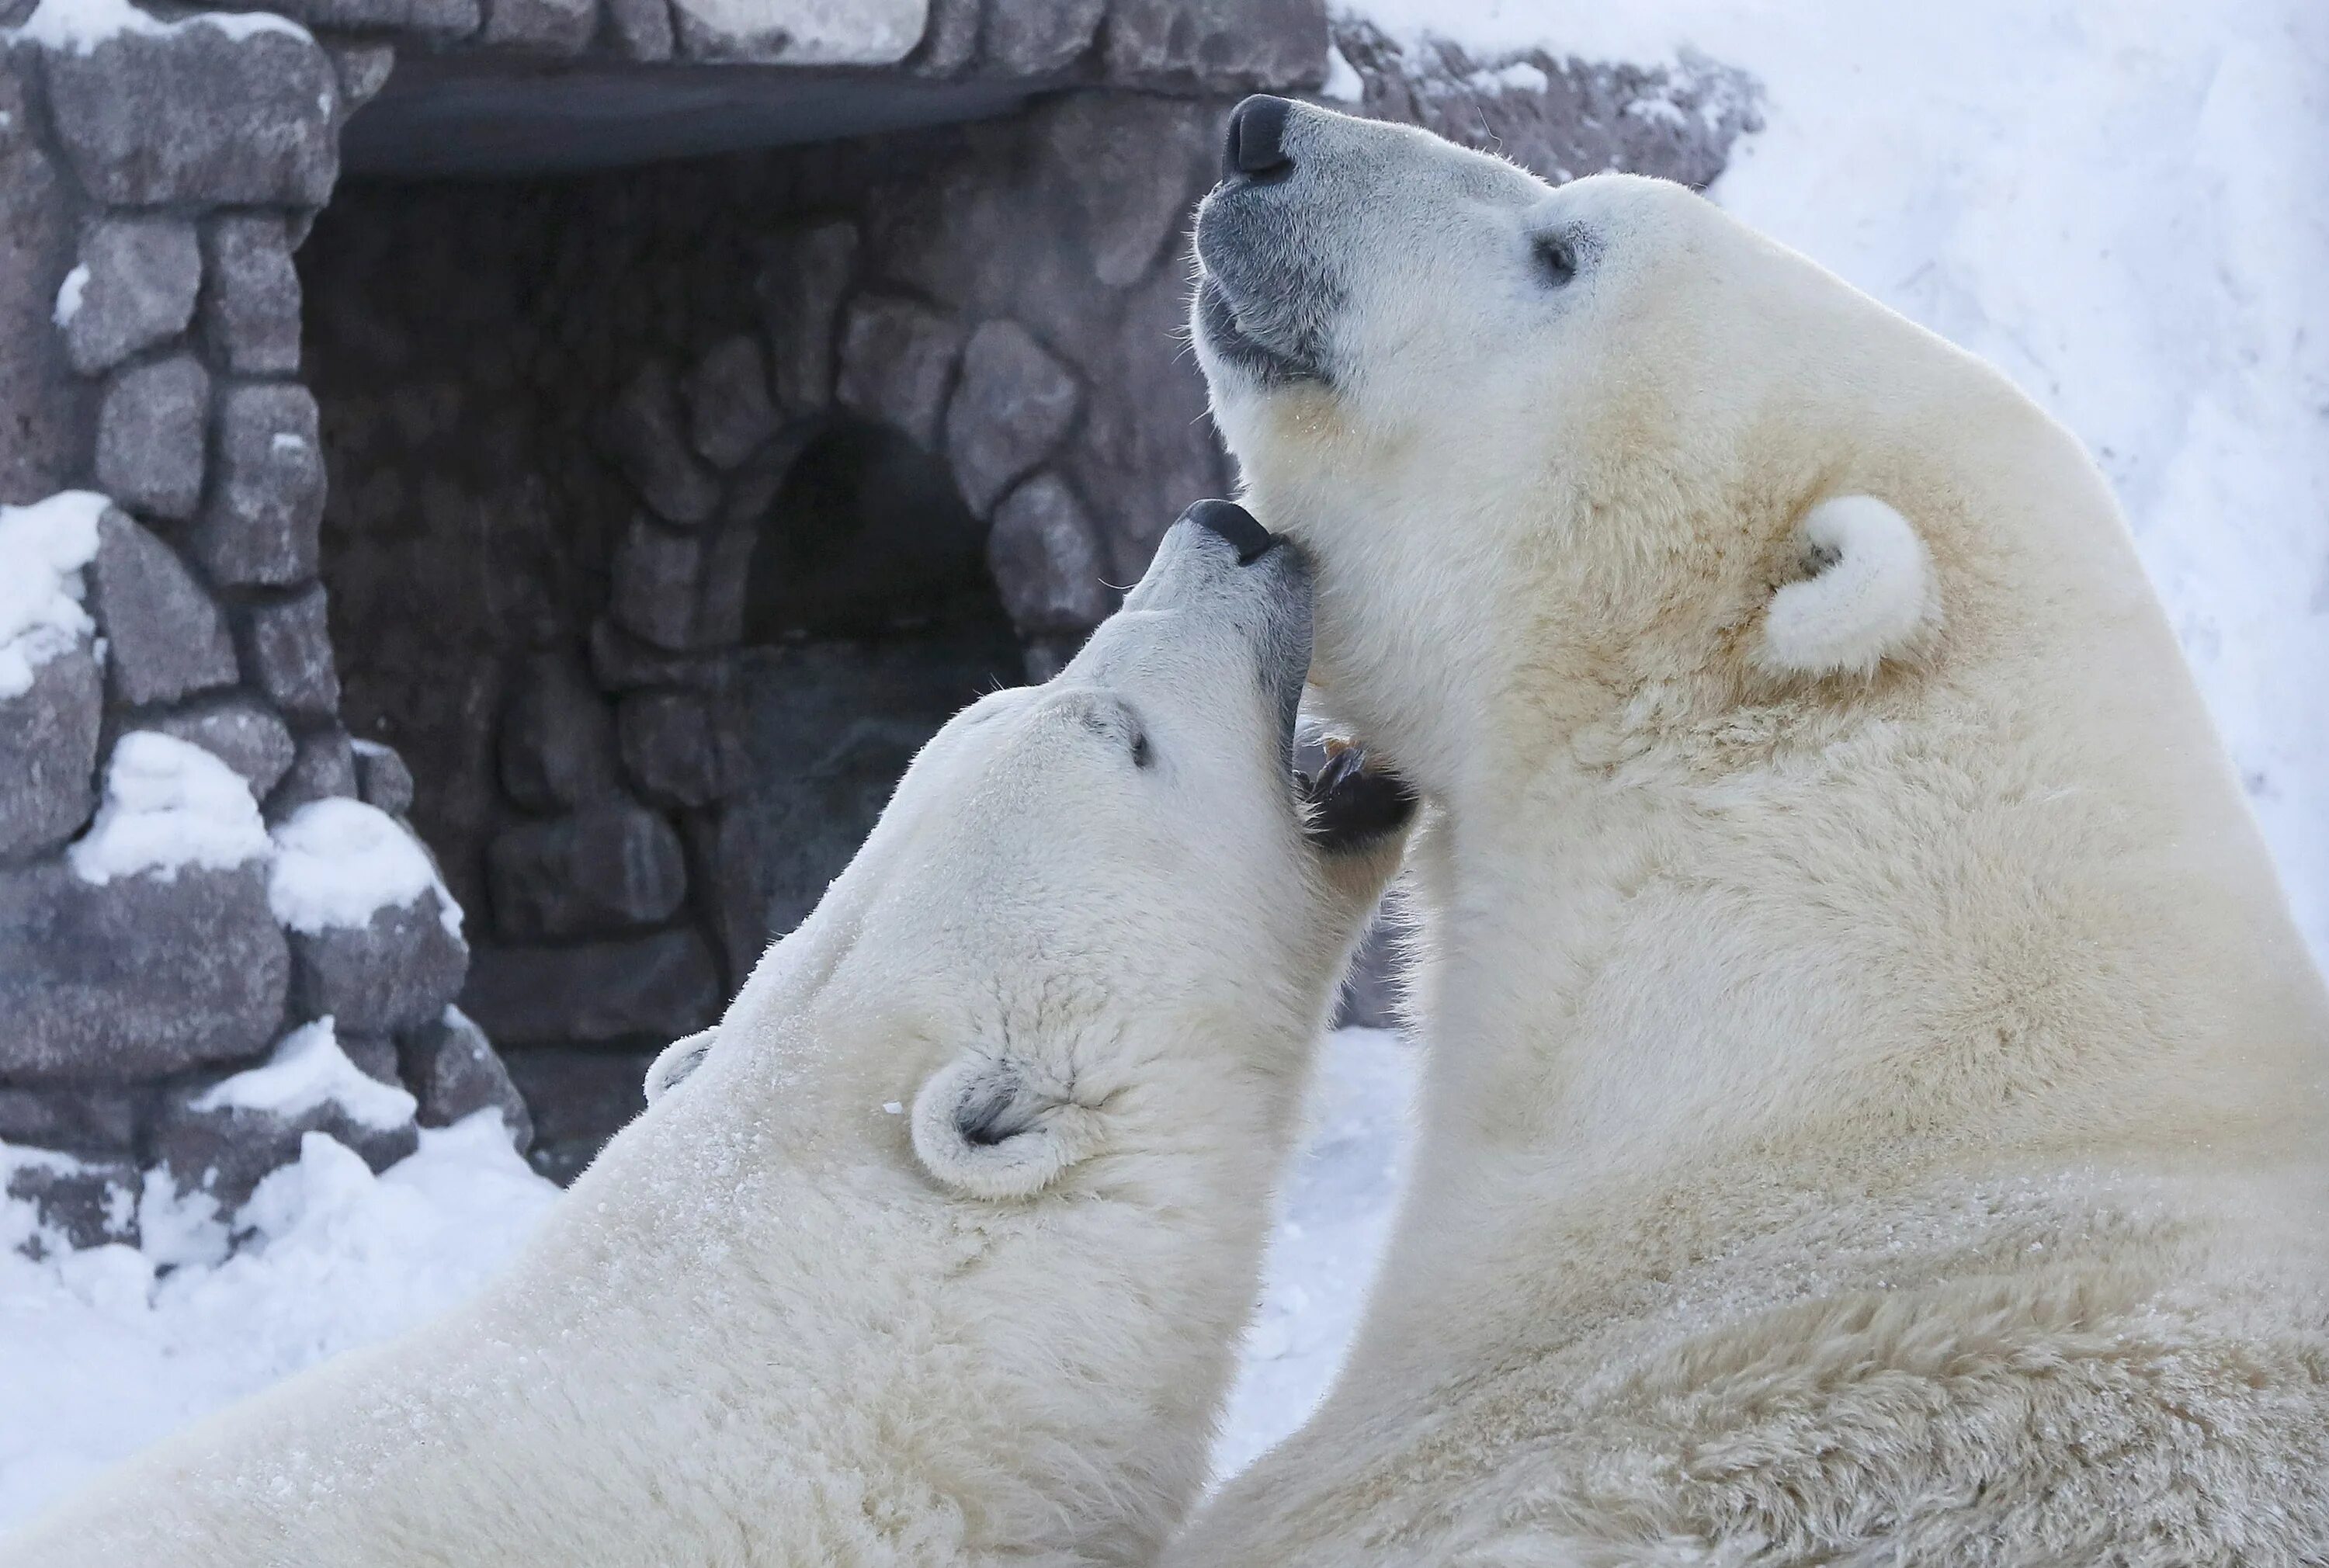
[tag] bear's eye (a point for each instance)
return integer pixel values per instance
(1556, 258)
(1140, 754)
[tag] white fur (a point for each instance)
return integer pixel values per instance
(1868, 598)
(757, 1331)
(1870, 1122)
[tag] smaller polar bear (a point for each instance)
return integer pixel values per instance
(1877, 1108)
(940, 1252)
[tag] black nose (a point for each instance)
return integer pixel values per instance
(1256, 146)
(1236, 524)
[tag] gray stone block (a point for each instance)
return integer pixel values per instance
(1011, 408)
(580, 1097)
(150, 430)
(557, 742)
(227, 1151)
(608, 867)
(677, 747)
(657, 988)
(323, 767)
(640, 29)
(622, 663)
(135, 285)
(199, 112)
(48, 755)
(1042, 39)
(432, 19)
(138, 978)
(897, 363)
(1045, 554)
(259, 528)
(89, 1202)
(251, 296)
(240, 733)
(453, 1069)
(383, 781)
(43, 409)
(1218, 45)
(286, 647)
(950, 40)
(645, 432)
(729, 414)
(86, 1121)
(729, 873)
(374, 1056)
(364, 68)
(541, 26)
(164, 636)
(656, 575)
(1134, 167)
(800, 288)
(397, 972)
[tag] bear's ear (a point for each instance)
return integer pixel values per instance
(981, 1127)
(678, 1059)
(1870, 596)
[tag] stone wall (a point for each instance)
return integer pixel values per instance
(653, 516)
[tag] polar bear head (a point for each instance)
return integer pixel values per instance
(1098, 916)
(1603, 426)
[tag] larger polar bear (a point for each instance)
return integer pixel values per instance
(939, 1254)
(1875, 1110)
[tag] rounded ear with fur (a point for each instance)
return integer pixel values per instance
(679, 1058)
(1871, 596)
(983, 1129)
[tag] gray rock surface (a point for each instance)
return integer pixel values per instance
(242, 734)
(677, 746)
(898, 363)
(649, 438)
(374, 1056)
(87, 1122)
(323, 767)
(951, 41)
(250, 294)
(1010, 408)
(1045, 556)
(48, 755)
(657, 987)
(622, 663)
(1040, 39)
(150, 430)
(863, 33)
(88, 1202)
(286, 647)
(800, 287)
(730, 872)
(137, 288)
(578, 1099)
(541, 26)
(383, 781)
(729, 414)
(228, 1152)
(640, 29)
(657, 577)
(557, 743)
(430, 19)
(1220, 46)
(608, 868)
(397, 972)
(164, 636)
(259, 527)
(138, 978)
(43, 409)
(453, 1070)
(199, 112)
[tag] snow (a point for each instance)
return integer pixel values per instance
(2124, 206)
(104, 1351)
(69, 294)
(42, 548)
(339, 862)
(309, 1069)
(79, 26)
(1343, 82)
(168, 804)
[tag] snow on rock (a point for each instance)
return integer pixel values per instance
(2124, 206)
(79, 26)
(309, 1069)
(338, 863)
(106, 1350)
(42, 548)
(1343, 84)
(168, 804)
(69, 294)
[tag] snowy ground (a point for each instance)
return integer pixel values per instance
(2125, 204)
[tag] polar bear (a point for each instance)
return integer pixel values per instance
(1874, 1111)
(940, 1252)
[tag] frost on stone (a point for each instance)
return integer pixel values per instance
(69, 294)
(168, 804)
(803, 32)
(339, 862)
(79, 26)
(308, 1070)
(42, 548)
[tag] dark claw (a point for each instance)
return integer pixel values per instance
(1351, 808)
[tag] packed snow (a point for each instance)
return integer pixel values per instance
(339, 862)
(306, 1069)
(79, 26)
(42, 548)
(2125, 206)
(68, 293)
(168, 804)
